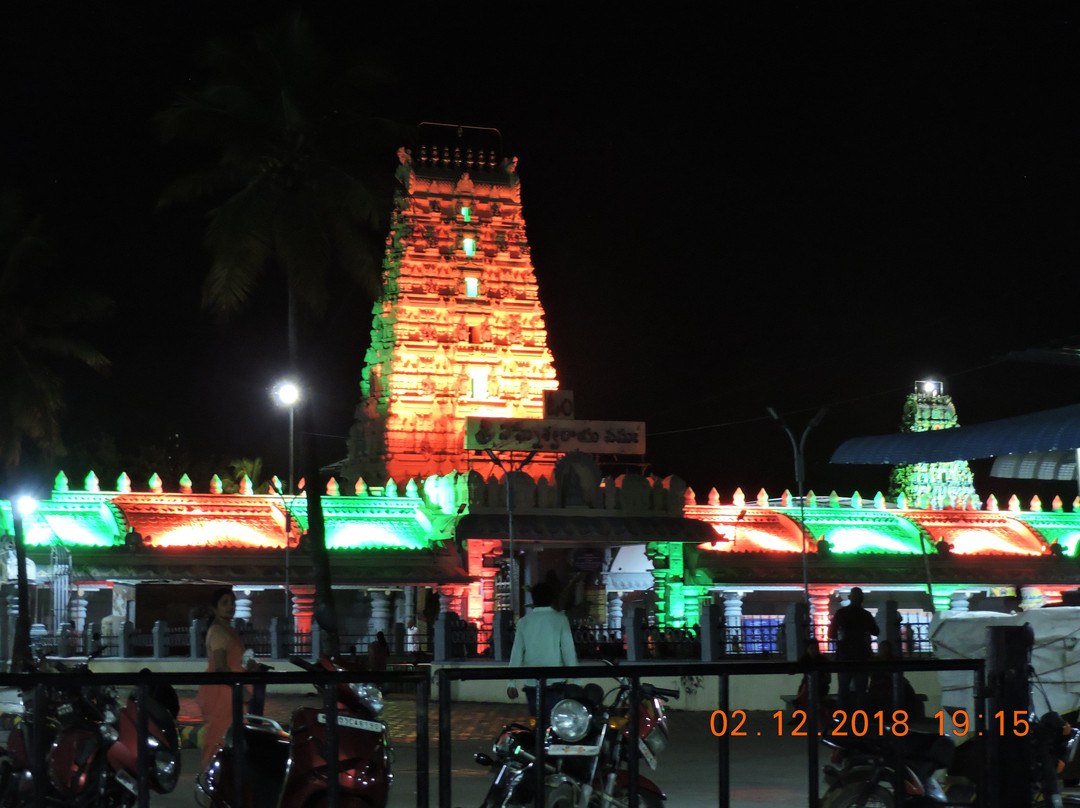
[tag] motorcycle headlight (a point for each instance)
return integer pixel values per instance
(656, 741)
(369, 695)
(570, 720)
(166, 768)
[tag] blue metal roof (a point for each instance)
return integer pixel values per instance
(1036, 432)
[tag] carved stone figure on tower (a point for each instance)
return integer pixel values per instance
(402, 174)
(464, 185)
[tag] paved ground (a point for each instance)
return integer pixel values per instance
(766, 770)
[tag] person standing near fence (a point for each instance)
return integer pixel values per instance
(225, 652)
(852, 628)
(543, 639)
(378, 653)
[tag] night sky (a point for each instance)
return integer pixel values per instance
(782, 207)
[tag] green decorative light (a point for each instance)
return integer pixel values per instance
(1064, 528)
(73, 520)
(472, 286)
(469, 246)
(466, 214)
(865, 540)
(863, 530)
(366, 535)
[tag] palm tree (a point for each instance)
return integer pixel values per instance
(250, 467)
(288, 195)
(36, 318)
(287, 185)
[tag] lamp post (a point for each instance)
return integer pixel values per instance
(287, 394)
(20, 650)
(800, 480)
(508, 471)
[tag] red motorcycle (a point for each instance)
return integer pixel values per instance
(290, 769)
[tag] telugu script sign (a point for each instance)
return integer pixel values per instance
(555, 435)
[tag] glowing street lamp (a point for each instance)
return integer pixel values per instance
(287, 394)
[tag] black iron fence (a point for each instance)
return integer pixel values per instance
(41, 684)
(756, 636)
(421, 683)
(723, 671)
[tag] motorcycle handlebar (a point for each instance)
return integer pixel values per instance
(665, 693)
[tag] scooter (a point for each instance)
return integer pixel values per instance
(93, 747)
(290, 769)
(82, 775)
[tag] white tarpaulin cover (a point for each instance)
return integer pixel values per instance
(1055, 656)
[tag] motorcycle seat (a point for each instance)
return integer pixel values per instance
(936, 749)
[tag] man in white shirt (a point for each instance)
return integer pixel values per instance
(543, 639)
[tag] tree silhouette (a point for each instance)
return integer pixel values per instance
(289, 137)
(37, 318)
(287, 186)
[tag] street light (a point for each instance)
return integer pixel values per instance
(800, 480)
(21, 655)
(287, 394)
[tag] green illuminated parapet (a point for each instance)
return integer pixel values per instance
(376, 519)
(374, 522)
(81, 519)
(850, 530)
(1062, 528)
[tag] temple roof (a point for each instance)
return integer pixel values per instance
(1035, 432)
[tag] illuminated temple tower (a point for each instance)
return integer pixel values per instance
(458, 329)
(935, 484)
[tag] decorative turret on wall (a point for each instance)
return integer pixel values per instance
(458, 330)
(926, 409)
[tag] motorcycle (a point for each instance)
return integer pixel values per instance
(586, 750)
(864, 776)
(290, 769)
(93, 757)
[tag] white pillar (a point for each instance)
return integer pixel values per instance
(733, 621)
(614, 611)
(77, 614)
(380, 612)
(958, 602)
(243, 606)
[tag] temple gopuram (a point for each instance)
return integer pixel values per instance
(418, 524)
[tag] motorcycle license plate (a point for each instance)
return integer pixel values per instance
(575, 749)
(354, 723)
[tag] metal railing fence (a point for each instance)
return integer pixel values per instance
(144, 682)
(723, 671)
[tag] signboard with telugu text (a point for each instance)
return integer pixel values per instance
(555, 435)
